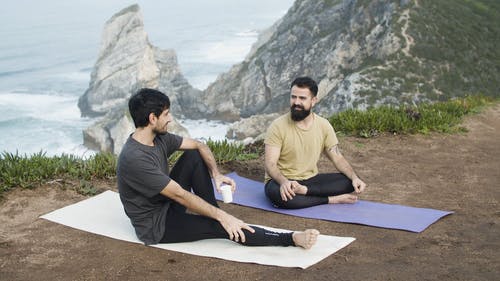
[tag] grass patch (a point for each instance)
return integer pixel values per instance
(442, 117)
(31, 171)
(225, 151)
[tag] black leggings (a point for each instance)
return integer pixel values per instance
(191, 173)
(319, 188)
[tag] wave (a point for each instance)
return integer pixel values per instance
(85, 69)
(39, 68)
(198, 129)
(22, 71)
(50, 107)
(33, 139)
(75, 76)
(48, 122)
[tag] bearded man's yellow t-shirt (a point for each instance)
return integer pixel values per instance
(300, 149)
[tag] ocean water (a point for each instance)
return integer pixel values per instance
(48, 49)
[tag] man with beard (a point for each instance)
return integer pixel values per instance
(156, 201)
(293, 145)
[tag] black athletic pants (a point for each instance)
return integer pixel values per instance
(319, 188)
(192, 174)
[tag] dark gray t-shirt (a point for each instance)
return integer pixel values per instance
(142, 173)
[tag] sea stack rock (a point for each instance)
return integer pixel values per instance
(126, 63)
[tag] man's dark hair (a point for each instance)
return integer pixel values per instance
(306, 82)
(145, 102)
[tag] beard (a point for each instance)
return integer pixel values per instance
(299, 115)
(161, 131)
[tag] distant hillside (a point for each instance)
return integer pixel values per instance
(455, 53)
(365, 53)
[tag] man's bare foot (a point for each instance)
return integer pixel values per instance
(342, 199)
(300, 189)
(305, 239)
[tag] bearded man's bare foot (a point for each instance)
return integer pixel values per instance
(342, 199)
(305, 239)
(301, 189)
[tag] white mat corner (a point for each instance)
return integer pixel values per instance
(103, 214)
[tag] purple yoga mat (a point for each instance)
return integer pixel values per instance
(251, 193)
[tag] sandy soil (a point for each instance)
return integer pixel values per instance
(449, 172)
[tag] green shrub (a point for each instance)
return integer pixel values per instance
(225, 151)
(437, 117)
(29, 171)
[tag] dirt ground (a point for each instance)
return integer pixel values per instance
(459, 173)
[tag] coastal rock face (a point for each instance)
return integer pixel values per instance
(362, 53)
(365, 54)
(327, 40)
(110, 133)
(323, 39)
(251, 129)
(126, 63)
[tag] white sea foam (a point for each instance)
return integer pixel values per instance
(41, 122)
(205, 129)
(42, 106)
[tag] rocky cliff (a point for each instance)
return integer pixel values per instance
(362, 53)
(366, 53)
(126, 63)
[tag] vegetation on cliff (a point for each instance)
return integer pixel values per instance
(454, 52)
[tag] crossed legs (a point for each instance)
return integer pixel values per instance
(321, 189)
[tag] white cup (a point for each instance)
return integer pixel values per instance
(227, 193)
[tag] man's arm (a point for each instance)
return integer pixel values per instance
(209, 159)
(272, 154)
(344, 167)
(233, 226)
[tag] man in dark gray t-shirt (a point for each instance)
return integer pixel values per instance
(156, 199)
(142, 175)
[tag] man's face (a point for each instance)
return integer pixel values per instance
(301, 103)
(160, 126)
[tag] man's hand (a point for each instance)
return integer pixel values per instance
(234, 227)
(289, 189)
(220, 179)
(358, 184)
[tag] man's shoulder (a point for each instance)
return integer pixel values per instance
(126, 155)
(282, 119)
(322, 121)
(321, 118)
(131, 152)
(128, 147)
(167, 136)
(169, 139)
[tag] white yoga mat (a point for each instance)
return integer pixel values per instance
(103, 214)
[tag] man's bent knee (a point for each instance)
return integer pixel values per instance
(191, 155)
